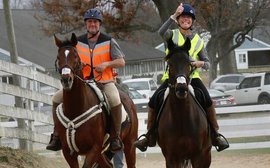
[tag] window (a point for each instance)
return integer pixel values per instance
(242, 58)
(7, 79)
(229, 79)
(143, 85)
(251, 82)
(267, 79)
(153, 85)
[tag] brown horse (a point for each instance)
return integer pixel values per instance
(183, 132)
(81, 122)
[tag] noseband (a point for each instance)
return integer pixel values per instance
(182, 79)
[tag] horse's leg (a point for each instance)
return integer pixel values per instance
(169, 162)
(71, 159)
(130, 154)
(202, 160)
(94, 156)
(105, 162)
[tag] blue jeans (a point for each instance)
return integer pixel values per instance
(118, 159)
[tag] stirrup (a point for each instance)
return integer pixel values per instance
(218, 148)
(141, 148)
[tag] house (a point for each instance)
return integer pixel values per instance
(252, 53)
(33, 45)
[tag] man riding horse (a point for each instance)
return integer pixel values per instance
(101, 54)
(184, 16)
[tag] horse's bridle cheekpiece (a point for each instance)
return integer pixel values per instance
(64, 70)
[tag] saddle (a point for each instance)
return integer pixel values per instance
(104, 100)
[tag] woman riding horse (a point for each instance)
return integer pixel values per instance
(184, 16)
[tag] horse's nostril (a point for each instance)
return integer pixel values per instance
(66, 79)
(181, 92)
(70, 79)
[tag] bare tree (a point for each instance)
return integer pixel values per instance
(227, 21)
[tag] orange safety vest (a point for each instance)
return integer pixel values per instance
(100, 54)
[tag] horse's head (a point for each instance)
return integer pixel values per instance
(179, 67)
(68, 62)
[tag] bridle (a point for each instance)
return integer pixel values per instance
(78, 67)
(181, 78)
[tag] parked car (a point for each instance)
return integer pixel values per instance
(226, 82)
(146, 86)
(221, 99)
(140, 101)
(255, 88)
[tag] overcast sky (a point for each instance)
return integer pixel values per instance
(18, 4)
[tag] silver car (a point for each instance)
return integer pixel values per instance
(226, 82)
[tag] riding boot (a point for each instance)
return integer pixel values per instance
(218, 140)
(150, 136)
(116, 118)
(55, 143)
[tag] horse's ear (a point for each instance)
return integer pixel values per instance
(74, 39)
(57, 41)
(187, 44)
(170, 44)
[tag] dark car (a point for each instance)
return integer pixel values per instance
(221, 99)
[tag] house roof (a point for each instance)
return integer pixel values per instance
(254, 43)
(33, 45)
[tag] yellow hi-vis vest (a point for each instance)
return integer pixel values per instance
(196, 46)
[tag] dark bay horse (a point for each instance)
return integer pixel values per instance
(183, 132)
(81, 120)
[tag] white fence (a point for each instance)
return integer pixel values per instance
(235, 122)
(243, 121)
(31, 95)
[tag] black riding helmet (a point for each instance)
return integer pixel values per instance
(188, 10)
(93, 13)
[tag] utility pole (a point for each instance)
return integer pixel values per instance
(14, 59)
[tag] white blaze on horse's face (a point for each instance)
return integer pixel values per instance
(181, 80)
(66, 52)
(66, 71)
